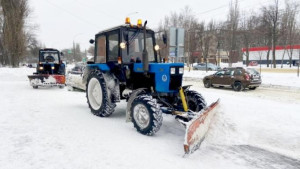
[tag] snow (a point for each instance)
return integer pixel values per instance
(50, 128)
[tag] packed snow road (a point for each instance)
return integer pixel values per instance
(53, 128)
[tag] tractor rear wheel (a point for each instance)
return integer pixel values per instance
(97, 95)
(195, 101)
(146, 115)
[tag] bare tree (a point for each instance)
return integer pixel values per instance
(232, 27)
(291, 11)
(248, 33)
(14, 37)
(272, 18)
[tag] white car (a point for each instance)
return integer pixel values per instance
(74, 77)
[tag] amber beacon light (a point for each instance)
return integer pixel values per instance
(127, 20)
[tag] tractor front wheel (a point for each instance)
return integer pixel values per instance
(97, 96)
(195, 101)
(146, 115)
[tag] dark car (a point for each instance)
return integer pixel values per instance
(238, 78)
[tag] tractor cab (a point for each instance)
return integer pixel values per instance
(50, 62)
(130, 53)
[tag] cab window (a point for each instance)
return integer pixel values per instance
(101, 49)
(113, 46)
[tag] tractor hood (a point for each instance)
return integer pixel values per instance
(166, 81)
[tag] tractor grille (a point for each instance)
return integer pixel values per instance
(175, 79)
(47, 68)
(175, 82)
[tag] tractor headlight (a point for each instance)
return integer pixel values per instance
(122, 45)
(41, 68)
(181, 70)
(52, 67)
(173, 70)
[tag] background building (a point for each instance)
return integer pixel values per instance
(284, 54)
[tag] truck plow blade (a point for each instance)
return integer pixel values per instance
(46, 80)
(197, 128)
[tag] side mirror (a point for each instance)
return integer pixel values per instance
(165, 38)
(62, 54)
(92, 41)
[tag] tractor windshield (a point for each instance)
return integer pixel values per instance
(134, 46)
(49, 57)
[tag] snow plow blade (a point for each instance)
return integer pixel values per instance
(46, 80)
(197, 128)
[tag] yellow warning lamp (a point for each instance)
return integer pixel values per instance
(139, 23)
(127, 20)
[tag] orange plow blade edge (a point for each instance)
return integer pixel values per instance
(46, 80)
(197, 128)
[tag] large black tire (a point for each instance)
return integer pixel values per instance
(195, 101)
(97, 95)
(207, 83)
(146, 115)
(237, 86)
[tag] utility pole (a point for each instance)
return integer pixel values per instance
(298, 64)
(189, 54)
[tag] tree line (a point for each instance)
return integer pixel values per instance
(18, 41)
(17, 37)
(272, 25)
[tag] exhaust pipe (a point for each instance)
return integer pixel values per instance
(145, 53)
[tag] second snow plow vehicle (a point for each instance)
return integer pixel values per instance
(50, 70)
(126, 66)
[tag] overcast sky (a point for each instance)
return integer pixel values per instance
(60, 22)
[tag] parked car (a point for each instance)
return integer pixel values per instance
(74, 77)
(238, 78)
(253, 63)
(210, 66)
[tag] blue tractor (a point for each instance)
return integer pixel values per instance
(127, 66)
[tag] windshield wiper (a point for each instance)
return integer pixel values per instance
(133, 37)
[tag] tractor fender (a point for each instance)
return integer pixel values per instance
(133, 95)
(113, 86)
(90, 68)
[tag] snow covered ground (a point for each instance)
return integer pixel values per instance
(52, 128)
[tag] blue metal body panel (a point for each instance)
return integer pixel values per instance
(162, 74)
(101, 66)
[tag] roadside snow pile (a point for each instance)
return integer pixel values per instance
(280, 79)
(197, 74)
(15, 74)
